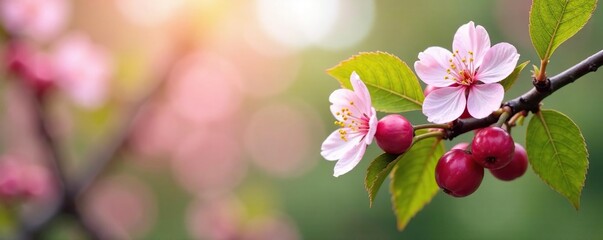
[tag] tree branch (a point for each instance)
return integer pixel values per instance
(530, 101)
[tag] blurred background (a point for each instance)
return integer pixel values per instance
(229, 146)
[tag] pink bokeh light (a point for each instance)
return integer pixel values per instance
(202, 88)
(121, 207)
(279, 138)
(215, 219)
(209, 162)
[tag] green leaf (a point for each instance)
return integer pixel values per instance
(508, 82)
(377, 172)
(392, 84)
(413, 179)
(552, 22)
(557, 153)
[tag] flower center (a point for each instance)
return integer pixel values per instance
(462, 68)
(351, 121)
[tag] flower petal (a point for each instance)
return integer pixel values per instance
(361, 92)
(349, 161)
(432, 66)
(498, 63)
(471, 38)
(445, 104)
(484, 99)
(373, 121)
(334, 148)
(341, 98)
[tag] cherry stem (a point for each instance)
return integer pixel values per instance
(503, 117)
(516, 117)
(438, 134)
(431, 125)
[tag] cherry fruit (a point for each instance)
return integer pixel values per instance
(461, 145)
(458, 174)
(493, 147)
(516, 168)
(394, 134)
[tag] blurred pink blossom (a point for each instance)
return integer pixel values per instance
(23, 180)
(82, 69)
(30, 65)
(466, 78)
(37, 19)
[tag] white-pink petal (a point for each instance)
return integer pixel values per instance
(349, 160)
(445, 104)
(469, 38)
(334, 148)
(432, 65)
(484, 99)
(361, 92)
(373, 121)
(498, 63)
(340, 99)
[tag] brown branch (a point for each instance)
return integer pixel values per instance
(530, 101)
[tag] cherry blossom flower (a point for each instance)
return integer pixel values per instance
(82, 69)
(358, 121)
(37, 19)
(467, 77)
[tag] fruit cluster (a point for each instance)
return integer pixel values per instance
(460, 171)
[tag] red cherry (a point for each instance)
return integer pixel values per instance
(457, 174)
(394, 134)
(462, 146)
(492, 147)
(516, 168)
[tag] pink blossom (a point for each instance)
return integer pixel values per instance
(38, 19)
(31, 65)
(23, 180)
(82, 69)
(358, 121)
(466, 78)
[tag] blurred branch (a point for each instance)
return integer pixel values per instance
(70, 191)
(530, 101)
(104, 157)
(31, 227)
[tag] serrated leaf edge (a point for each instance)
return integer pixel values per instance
(576, 205)
(340, 64)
